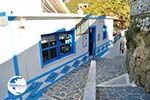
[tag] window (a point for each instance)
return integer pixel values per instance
(104, 32)
(57, 45)
(65, 40)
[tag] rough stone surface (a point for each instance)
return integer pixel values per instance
(139, 61)
(138, 43)
(140, 6)
(121, 93)
(73, 85)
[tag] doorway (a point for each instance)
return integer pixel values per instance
(92, 40)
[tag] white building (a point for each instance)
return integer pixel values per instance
(43, 48)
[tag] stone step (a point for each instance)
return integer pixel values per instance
(120, 81)
(90, 88)
(73, 85)
(121, 93)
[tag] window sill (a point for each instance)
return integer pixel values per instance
(56, 60)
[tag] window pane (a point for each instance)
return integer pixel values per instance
(45, 55)
(65, 38)
(65, 49)
(52, 40)
(44, 42)
(62, 38)
(68, 39)
(53, 53)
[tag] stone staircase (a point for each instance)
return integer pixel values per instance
(73, 85)
(121, 93)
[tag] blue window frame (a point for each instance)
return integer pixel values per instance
(57, 45)
(104, 32)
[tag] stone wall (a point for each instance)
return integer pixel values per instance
(138, 43)
(140, 6)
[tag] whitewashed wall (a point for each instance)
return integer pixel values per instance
(6, 72)
(25, 44)
(99, 26)
(109, 24)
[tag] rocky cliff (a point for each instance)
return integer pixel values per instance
(138, 44)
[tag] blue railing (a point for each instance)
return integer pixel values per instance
(117, 37)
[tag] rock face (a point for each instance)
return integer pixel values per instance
(140, 6)
(138, 44)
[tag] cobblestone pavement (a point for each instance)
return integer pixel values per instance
(121, 93)
(72, 86)
(109, 68)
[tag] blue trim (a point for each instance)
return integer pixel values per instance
(58, 46)
(103, 44)
(93, 38)
(40, 50)
(45, 88)
(102, 49)
(21, 98)
(73, 40)
(32, 89)
(97, 17)
(89, 16)
(101, 17)
(39, 93)
(66, 69)
(117, 37)
(76, 63)
(52, 77)
(102, 53)
(105, 33)
(2, 14)
(11, 18)
(16, 66)
(49, 48)
(42, 75)
(59, 56)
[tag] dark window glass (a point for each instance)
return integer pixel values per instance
(45, 55)
(62, 38)
(44, 42)
(56, 45)
(65, 49)
(53, 53)
(52, 40)
(65, 38)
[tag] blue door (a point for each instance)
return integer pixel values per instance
(92, 40)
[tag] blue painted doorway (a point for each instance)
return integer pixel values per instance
(92, 40)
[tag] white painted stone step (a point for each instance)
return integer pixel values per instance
(90, 88)
(120, 81)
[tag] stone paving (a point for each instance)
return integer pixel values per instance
(121, 93)
(109, 68)
(72, 86)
